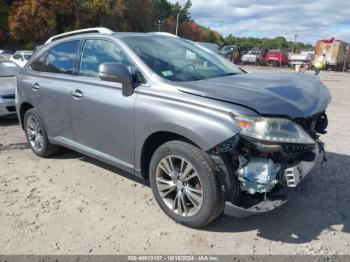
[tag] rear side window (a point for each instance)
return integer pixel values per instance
(62, 58)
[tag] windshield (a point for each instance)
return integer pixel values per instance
(8, 69)
(273, 51)
(229, 47)
(177, 59)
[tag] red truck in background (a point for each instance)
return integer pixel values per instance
(276, 57)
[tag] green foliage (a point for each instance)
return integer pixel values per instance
(211, 37)
(278, 42)
(26, 23)
(4, 12)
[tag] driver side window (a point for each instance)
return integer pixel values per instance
(96, 52)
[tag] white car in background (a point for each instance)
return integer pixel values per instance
(21, 57)
(8, 72)
(5, 54)
(305, 57)
(254, 56)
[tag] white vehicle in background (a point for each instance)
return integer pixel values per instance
(5, 54)
(21, 57)
(8, 72)
(254, 56)
(303, 58)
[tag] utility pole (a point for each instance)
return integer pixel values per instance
(177, 23)
(295, 40)
(159, 23)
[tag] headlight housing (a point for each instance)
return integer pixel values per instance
(272, 129)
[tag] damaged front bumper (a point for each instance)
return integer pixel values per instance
(252, 204)
(262, 207)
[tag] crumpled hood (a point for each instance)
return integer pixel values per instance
(7, 85)
(285, 94)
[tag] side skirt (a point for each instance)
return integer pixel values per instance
(113, 161)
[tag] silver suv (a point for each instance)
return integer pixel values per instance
(208, 136)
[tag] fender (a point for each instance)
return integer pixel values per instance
(203, 125)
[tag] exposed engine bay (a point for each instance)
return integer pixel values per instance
(264, 169)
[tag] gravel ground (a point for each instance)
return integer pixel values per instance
(71, 204)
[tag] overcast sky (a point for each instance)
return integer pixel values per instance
(314, 19)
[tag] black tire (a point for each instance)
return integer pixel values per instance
(47, 149)
(212, 204)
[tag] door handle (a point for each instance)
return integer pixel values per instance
(77, 93)
(35, 86)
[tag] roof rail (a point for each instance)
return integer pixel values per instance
(101, 30)
(165, 34)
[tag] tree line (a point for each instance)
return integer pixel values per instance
(27, 23)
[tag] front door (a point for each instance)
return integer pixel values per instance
(102, 118)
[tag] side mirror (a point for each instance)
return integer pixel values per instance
(114, 72)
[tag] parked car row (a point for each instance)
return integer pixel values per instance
(20, 57)
(336, 52)
(272, 57)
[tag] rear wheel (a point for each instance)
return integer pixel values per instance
(184, 183)
(36, 135)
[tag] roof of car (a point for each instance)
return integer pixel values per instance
(126, 34)
(98, 31)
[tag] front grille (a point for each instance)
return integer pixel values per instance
(11, 108)
(297, 148)
(8, 96)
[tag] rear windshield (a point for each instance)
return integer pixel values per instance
(274, 51)
(8, 68)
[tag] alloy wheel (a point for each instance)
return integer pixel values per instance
(179, 185)
(34, 133)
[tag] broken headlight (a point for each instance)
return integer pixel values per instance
(272, 129)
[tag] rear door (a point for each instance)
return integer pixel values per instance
(51, 85)
(102, 118)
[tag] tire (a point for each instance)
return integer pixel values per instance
(36, 135)
(190, 214)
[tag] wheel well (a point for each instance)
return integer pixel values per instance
(23, 109)
(152, 143)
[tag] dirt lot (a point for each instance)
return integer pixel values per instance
(71, 204)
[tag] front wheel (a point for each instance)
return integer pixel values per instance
(184, 184)
(275, 63)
